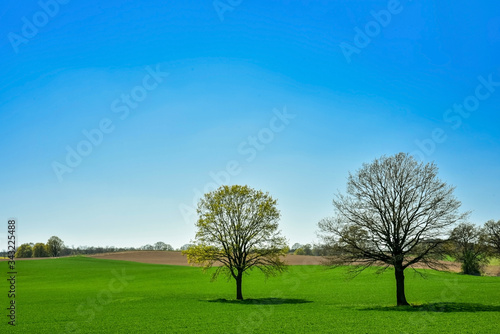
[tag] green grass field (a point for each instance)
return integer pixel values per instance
(85, 295)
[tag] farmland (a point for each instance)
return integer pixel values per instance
(89, 295)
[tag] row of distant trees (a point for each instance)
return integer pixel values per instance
(308, 249)
(40, 249)
(55, 247)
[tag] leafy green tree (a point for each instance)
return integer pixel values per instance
(308, 249)
(54, 246)
(23, 251)
(299, 251)
(396, 213)
(237, 230)
(304, 250)
(40, 250)
(470, 247)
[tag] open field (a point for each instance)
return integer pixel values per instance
(89, 295)
(176, 258)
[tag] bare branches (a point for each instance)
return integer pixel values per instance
(396, 211)
(493, 235)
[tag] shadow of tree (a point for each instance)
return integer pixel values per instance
(261, 301)
(439, 307)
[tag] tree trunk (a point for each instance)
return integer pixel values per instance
(400, 285)
(239, 278)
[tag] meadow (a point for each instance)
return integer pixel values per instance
(88, 295)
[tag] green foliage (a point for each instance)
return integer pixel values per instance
(54, 246)
(308, 249)
(304, 250)
(238, 229)
(469, 247)
(299, 251)
(40, 250)
(204, 255)
(305, 299)
(471, 265)
(23, 251)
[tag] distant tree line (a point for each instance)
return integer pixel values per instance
(55, 247)
(160, 245)
(308, 249)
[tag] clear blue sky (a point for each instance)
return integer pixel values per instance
(351, 81)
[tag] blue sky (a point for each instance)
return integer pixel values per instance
(177, 96)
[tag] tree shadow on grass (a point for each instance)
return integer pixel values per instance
(439, 307)
(261, 301)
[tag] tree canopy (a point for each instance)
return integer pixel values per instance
(396, 213)
(54, 246)
(237, 231)
(40, 250)
(469, 247)
(24, 251)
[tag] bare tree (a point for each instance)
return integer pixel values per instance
(185, 247)
(160, 245)
(238, 228)
(493, 232)
(396, 213)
